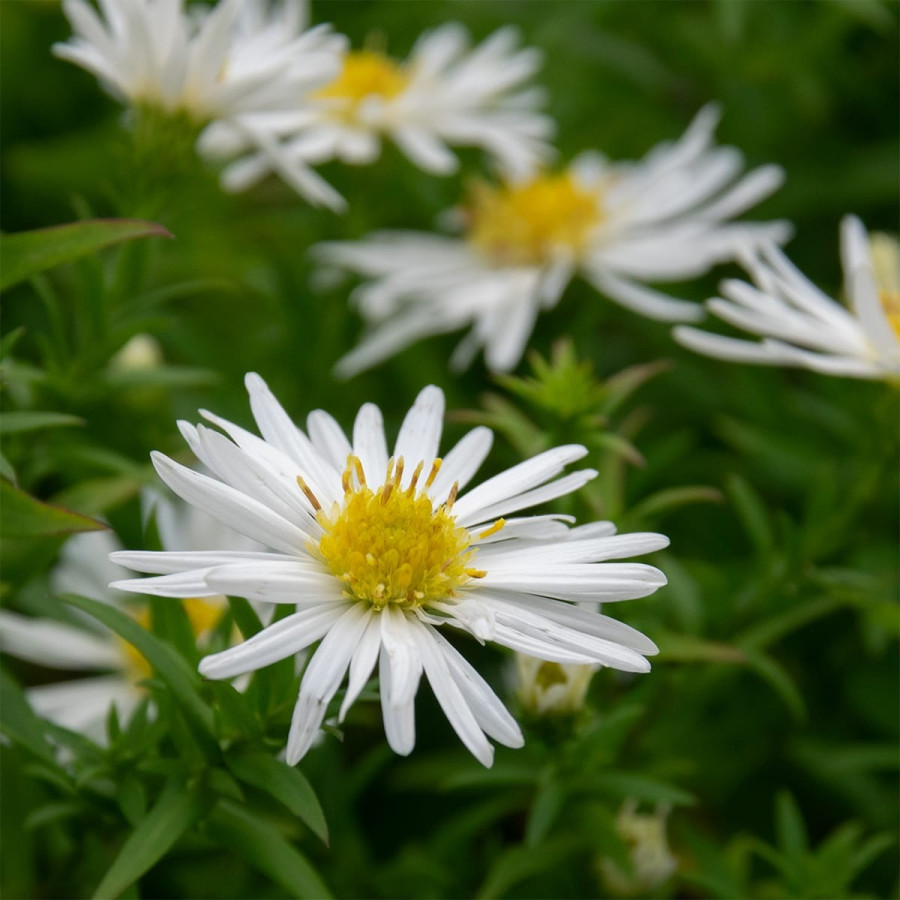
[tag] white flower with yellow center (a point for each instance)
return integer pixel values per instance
(801, 326)
(445, 94)
(82, 704)
(212, 65)
(664, 218)
(378, 552)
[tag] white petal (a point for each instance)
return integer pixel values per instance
(172, 561)
(328, 438)
(298, 581)
(276, 642)
(462, 462)
(420, 433)
(362, 664)
(56, 645)
(323, 677)
(369, 443)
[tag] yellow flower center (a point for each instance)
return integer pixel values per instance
(391, 544)
(530, 223)
(366, 73)
(203, 613)
(885, 252)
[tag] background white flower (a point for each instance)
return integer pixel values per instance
(378, 552)
(82, 704)
(218, 64)
(802, 326)
(617, 224)
(445, 94)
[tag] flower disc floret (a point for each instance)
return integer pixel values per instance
(366, 73)
(393, 545)
(524, 224)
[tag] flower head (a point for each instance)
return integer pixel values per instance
(801, 326)
(379, 553)
(219, 66)
(82, 704)
(445, 94)
(663, 218)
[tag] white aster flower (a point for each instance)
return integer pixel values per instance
(661, 219)
(82, 704)
(445, 94)
(801, 326)
(378, 553)
(221, 64)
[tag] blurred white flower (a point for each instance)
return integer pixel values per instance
(551, 688)
(217, 64)
(377, 553)
(82, 704)
(663, 218)
(445, 94)
(652, 862)
(802, 326)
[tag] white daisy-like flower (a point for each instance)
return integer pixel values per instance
(220, 64)
(445, 94)
(82, 704)
(617, 224)
(800, 325)
(379, 552)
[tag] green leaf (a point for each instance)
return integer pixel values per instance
(174, 813)
(20, 724)
(29, 253)
(778, 679)
(545, 810)
(789, 825)
(17, 422)
(284, 783)
(519, 863)
(245, 617)
(263, 846)
(25, 516)
(640, 787)
(752, 511)
(181, 680)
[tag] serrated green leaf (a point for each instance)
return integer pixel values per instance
(173, 814)
(181, 680)
(263, 846)
(24, 516)
(284, 783)
(32, 420)
(29, 253)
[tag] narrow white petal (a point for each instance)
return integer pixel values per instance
(295, 581)
(169, 562)
(362, 664)
(276, 642)
(462, 462)
(56, 645)
(420, 433)
(369, 443)
(328, 438)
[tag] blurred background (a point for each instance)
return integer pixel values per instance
(764, 742)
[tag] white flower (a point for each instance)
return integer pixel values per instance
(82, 704)
(377, 553)
(221, 64)
(552, 688)
(661, 219)
(652, 862)
(445, 94)
(801, 326)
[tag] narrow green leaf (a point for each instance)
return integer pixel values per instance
(20, 724)
(778, 679)
(25, 516)
(174, 813)
(284, 783)
(752, 512)
(520, 863)
(32, 420)
(685, 648)
(29, 253)
(547, 805)
(789, 825)
(641, 787)
(181, 680)
(673, 498)
(245, 617)
(263, 846)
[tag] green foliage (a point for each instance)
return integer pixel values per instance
(30, 253)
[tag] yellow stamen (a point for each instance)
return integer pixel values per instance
(391, 546)
(451, 497)
(309, 494)
(527, 224)
(497, 526)
(435, 468)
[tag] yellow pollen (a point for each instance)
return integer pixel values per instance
(530, 223)
(392, 545)
(366, 73)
